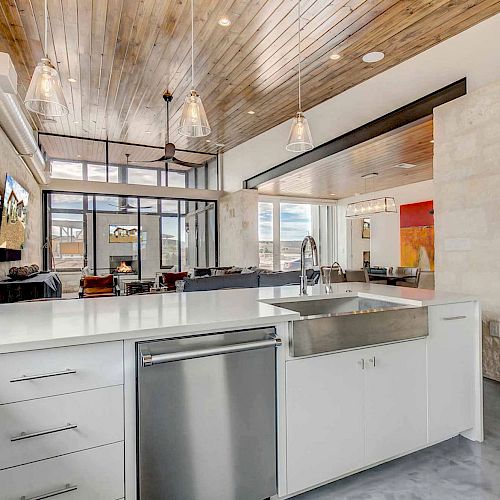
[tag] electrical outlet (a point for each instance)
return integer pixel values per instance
(495, 328)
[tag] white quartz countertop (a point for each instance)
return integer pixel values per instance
(37, 325)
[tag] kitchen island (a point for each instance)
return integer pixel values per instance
(338, 412)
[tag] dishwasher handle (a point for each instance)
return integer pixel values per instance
(156, 359)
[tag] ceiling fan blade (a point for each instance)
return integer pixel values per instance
(163, 158)
(187, 163)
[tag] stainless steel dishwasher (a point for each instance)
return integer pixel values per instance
(206, 417)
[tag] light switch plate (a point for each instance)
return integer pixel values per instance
(495, 328)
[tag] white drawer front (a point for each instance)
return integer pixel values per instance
(47, 372)
(96, 474)
(97, 415)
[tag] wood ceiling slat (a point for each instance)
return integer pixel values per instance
(142, 38)
(126, 53)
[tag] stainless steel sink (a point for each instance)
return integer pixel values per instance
(335, 324)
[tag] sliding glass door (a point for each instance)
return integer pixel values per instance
(134, 237)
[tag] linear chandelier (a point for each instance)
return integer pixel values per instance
(369, 207)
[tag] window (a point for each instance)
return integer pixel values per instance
(169, 241)
(97, 173)
(66, 170)
(266, 235)
(67, 201)
(143, 176)
(175, 179)
(67, 241)
(295, 225)
(204, 177)
(292, 221)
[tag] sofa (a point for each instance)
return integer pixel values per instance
(253, 279)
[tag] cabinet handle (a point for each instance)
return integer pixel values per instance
(361, 363)
(68, 488)
(373, 362)
(25, 435)
(23, 378)
(453, 318)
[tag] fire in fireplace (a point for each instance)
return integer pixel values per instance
(124, 268)
(122, 264)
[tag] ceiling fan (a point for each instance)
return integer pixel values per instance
(169, 148)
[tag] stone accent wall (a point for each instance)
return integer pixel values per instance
(11, 164)
(238, 226)
(467, 205)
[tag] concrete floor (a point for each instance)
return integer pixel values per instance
(457, 469)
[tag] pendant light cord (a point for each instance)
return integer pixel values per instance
(192, 44)
(46, 30)
(167, 122)
(300, 97)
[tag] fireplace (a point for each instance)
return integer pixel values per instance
(122, 264)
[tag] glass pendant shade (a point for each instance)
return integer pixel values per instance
(300, 138)
(194, 121)
(368, 207)
(45, 96)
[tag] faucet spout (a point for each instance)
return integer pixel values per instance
(314, 251)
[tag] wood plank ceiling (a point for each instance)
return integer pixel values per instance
(125, 53)
(340, 175)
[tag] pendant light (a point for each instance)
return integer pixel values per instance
(45, 96)
(194, 121)
(300, 138)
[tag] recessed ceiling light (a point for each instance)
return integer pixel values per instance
(218, 144)
(370, 175)
(335, 57)
(225, 21)
(208, 140)
(373, 57)
(251, 112)
(432, 141)
(78, 156)
(72, 80)
(76, 122)
(405, 165)
(148, 131)
(332, 194)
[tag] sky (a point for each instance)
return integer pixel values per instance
(295, 221)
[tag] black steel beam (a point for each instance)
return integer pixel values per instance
(402, 116)
(51, 134)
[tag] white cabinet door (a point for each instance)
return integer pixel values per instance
(95, 474)
(48, 372)
(47, 427)
(451, 345)
(396, 399)
(324, 400)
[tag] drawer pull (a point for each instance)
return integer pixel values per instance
(453, 318)
(68, 488)
(25, 435)
(68, 371)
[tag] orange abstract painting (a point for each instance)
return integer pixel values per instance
(417, 235)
